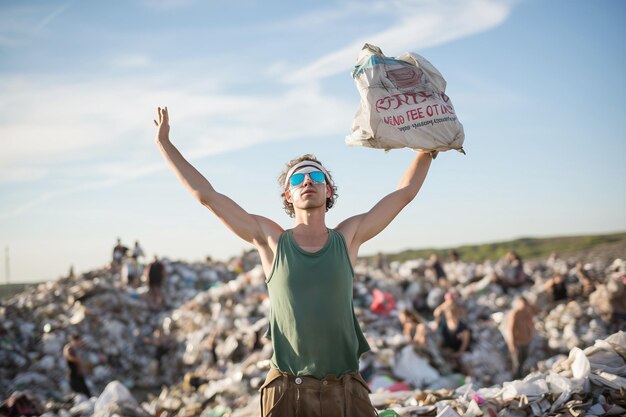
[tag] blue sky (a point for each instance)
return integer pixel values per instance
(538, 86)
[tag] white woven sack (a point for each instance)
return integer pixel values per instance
(403, 104)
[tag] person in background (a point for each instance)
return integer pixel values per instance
(617, 298)
(162, 342)
(437, 267)
(585, 280)
(557, 288)
(417, 332)
(75, 364)
(381, 263)
(119, 252)
(138, 252)
(520, 332)
(514, 270)
(156, 276)
(134, 266)
(409, 320)
(455, 335)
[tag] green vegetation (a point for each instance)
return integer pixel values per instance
(526, 247)
(9, 290)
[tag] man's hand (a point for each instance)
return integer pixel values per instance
(163, 125)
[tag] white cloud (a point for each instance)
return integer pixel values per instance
(53, 15)
(21, 174)
(19, 23)
(423, 24)
(131, 61)
(167, 4)
(45, 122)
(341, 13)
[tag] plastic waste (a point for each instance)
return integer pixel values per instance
(580, 364)
(413, 369)
(403, 104)
(114, 394)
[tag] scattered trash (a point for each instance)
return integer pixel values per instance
(203, 352)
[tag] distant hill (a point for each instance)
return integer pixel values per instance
(526, 247)
(9, 290)
(583, 247)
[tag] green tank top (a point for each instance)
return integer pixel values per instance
(313, 328)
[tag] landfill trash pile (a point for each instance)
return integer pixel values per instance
(115, 322)
(590, 382)
(203, 353)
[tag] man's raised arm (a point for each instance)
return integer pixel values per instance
(363, 227)
(251, 228)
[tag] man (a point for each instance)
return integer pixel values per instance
(162, 342)
(454, 332)
(156, 275)
(585, 280)
(520, 332)
(316, 338)
(438, 271)
(138, 252)
(75, 365)
(514, 270)
(119, 252)
(557, 287)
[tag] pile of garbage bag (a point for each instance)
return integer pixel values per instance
(203, 353)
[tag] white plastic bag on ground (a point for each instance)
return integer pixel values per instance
(608, 379)
(448, 412)
(403, 104)
(530, 387)
(84, 408)
(602, 356)
(559, 384)
(114, 394)
(413, 369)
(580, 363)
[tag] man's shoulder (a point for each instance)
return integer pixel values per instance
(269, 227)
(518, 314)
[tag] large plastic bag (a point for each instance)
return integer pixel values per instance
(403, 104)
(114, 394)
(413, 369)
(602, 356)
(530, 387)
(579, 363)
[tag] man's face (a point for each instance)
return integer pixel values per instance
(307, 189)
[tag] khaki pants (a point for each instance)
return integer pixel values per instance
(285, 395)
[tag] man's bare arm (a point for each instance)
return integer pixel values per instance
(361, 228)
(69, 355)
(510, 326)
(465, 339)
(251, 228)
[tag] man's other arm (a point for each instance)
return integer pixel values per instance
(361, 228)
(251, 228)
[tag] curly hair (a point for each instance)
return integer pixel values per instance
(330, 201)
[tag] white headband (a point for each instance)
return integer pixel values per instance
(306, 164)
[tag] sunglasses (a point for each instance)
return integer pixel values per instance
(298, 178)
